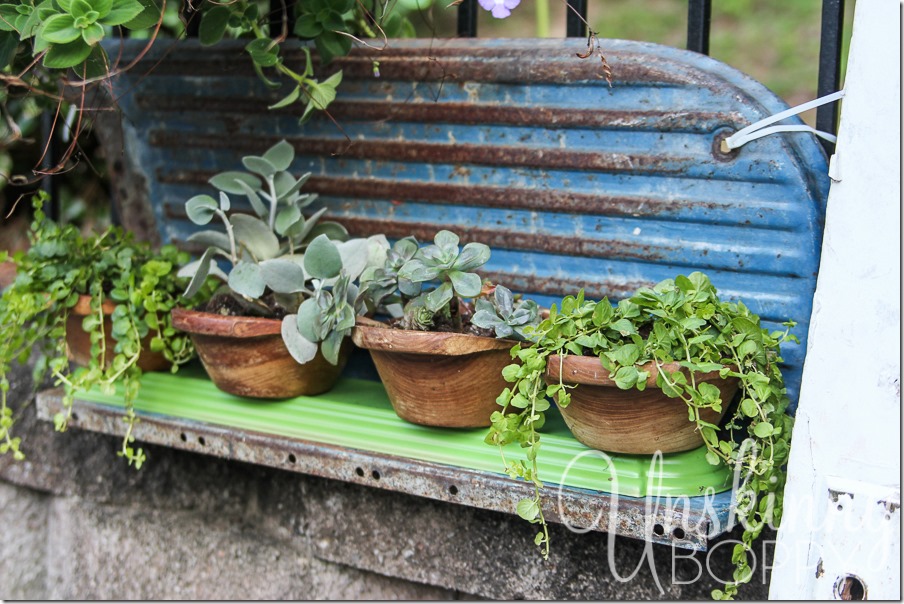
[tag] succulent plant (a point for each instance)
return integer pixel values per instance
(507, 316)
(379, 284)
(294, 262)
(398, 288)
(444, 261)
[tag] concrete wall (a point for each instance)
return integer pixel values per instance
(78, 523)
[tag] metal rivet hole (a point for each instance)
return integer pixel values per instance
(291, 458)
(359, 471)
(375, 474)
(453, 490)
(201, 441)
(183, 437)
(658, 529)
(850, 587)
(678, 532)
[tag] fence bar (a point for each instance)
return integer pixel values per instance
(699, 16)
(467, 19)
(575, 21)
(49, 182)
(192, 20)
(829, 66)
(278, 8)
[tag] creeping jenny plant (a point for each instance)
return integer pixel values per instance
(281, 262)
(681, 320)
(60, 266)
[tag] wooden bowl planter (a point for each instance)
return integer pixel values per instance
(246, 356)
(448, 380)
(78, 341)
(604, 417)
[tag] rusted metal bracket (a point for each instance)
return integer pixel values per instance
(686, 522)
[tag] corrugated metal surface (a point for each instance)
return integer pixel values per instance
(519, 144)
(352, 434)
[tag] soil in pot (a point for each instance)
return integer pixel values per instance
(78, 341)
(246, 356)
(442, 379)
(606, 418)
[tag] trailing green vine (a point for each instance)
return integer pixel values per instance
(60, 266)
(684, 321)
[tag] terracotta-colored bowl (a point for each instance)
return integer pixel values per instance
(78, 341)
(448, 380)
(246, 356)
(607, 418)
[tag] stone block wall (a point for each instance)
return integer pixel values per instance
(78, 523)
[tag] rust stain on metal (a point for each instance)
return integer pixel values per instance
(506, 239)
(435, 153)
(451, 61)
(551, 286)
(485, 490)
(508, 197)
(464, 113)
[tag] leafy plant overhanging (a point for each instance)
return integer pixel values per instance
(681, 320)
(60, 266)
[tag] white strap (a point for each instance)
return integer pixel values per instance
(759, 129)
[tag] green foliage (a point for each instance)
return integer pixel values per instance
(678, 321)
(332, 25)
(60, 266)
(282, 261)
(398, 289)
(507, 316)
(66, 32)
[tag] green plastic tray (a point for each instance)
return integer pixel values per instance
(357, 414)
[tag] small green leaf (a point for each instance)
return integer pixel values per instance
(280, 155)
(201, 209)
(124, 11)
(259, 165)
(763, 429)
(322, 259)
(309, 320)
(286, 218)
(226, 181)
(283, 276)
(324, 93)
(93, 34)
(60, 29)
(148, 17)
(61, 56)
(331, 346)
(438, 298)
(472, 256)
(213, 25)
(255, 236)
(301, 349)
(466, 285)
(246, 278)
(748, 407)
(528, 509)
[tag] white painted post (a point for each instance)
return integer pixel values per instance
(840, 535)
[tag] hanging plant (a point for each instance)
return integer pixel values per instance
(122, 291)
(683, 322)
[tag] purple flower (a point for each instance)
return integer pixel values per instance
(500, 8)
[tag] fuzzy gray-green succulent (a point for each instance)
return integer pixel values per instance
(507, 316)
(279, 259)
(400, 288)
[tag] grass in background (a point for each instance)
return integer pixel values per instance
(774, 41)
